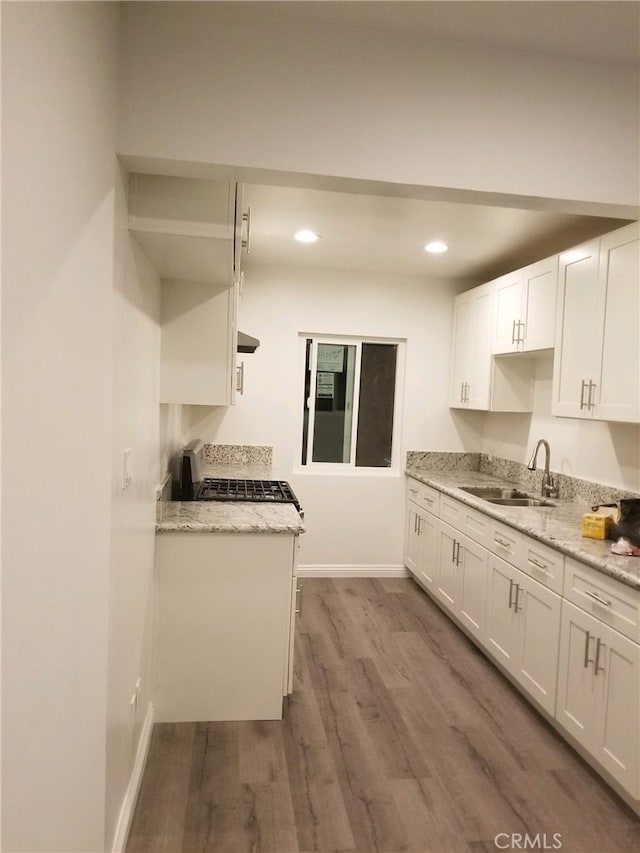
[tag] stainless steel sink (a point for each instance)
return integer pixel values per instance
(506, 497)
(521, 501)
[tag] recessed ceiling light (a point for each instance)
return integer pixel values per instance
(306, 236)
(436, 247)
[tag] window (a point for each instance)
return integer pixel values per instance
(349, 402)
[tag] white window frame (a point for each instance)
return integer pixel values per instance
(350, 468)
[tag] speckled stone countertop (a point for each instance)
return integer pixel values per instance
(557, 526)
(230, 516)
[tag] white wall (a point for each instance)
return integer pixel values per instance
(280, 303)
(59, 102)
(136, 356)
(205, 82)
(604, 452)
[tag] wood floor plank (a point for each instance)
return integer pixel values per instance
(399, 737)
(158, 821)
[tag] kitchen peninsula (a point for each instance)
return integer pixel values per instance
(226, 593)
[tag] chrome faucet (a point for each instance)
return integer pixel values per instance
(549, 487)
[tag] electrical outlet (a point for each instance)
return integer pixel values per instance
(127, 467)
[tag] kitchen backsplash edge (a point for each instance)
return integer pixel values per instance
(570, 488)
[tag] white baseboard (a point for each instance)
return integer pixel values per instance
(360, 571)
(130, 798)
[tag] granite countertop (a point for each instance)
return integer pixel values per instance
(558, 526)
(230, 516)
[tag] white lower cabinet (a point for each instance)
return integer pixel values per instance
(421, 533)
(565, 633)
(462, 579)
(599, 694)
(223, 634)
(523, 629)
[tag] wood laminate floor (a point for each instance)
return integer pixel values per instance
(399, 736)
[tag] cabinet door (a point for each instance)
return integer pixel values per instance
(413, 543)
(448, 583)
(539, 636)
(507, 301)
(501, 618)
(472, 585)
(479, 374)
(429, 538)
(619, 721)
(197, 344)
(617, 397)
(576, 707)
(461, 350)
(540, 285)
(576, 331)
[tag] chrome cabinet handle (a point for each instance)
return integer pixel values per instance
(462, 392)
(514, 339)
(501, 542)
(592, 387)
(419, 520)
(511, 586)
(517, 607)
(602, 601)
(240, 378)
(583, 385)
(246, 242)
(540, 566)
(458, 560)
(587, 659)
(298, 609)
(413, 490)
(521, 336)
(599, 645)
(453, 551)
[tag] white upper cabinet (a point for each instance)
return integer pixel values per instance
(524, 308)
(471, 363)
(187, 227)
(478, 381)
(193, 231)
(597, 361)
(617, 396)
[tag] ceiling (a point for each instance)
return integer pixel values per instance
(601, 30)
(383, 234)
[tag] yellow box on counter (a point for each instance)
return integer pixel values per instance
(596, 526)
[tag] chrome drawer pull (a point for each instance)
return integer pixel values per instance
(514, 340)
(511, 586)
(582, 390)
(602, 601)
(587, 659)
(599, 645)
(540, 566)
(516, 602)
(299, 592)
(501, 542)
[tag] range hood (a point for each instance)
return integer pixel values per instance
(246, 343)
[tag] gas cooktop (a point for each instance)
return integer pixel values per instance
(266, 491)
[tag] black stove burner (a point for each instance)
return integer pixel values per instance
(263, 491)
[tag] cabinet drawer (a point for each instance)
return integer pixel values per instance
(506, 542)
(425, 496)
(543, 563)
(608, 600)
(475, 524)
